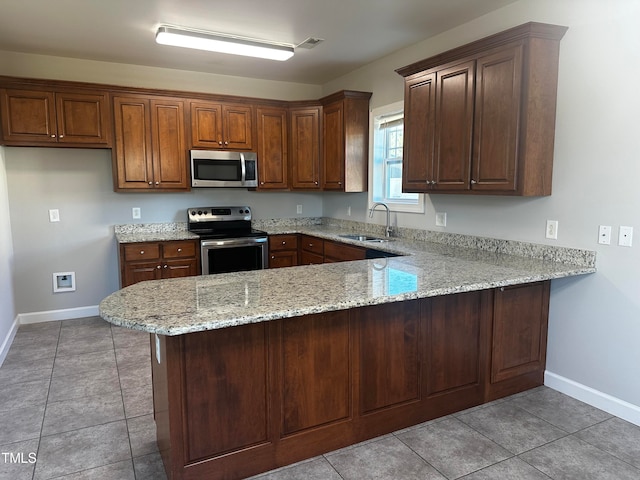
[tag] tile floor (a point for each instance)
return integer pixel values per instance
(75, 403)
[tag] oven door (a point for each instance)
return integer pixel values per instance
(233, 255)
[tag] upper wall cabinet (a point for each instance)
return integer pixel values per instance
(42, 116)
(225, 126)
(150, 150)
(305, 147)
(273, 156)
(481, 118)
(345, 141)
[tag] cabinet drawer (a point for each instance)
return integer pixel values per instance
(283, 242)
(141, 251)
(179, 249)
(341, 252)
(312, 244)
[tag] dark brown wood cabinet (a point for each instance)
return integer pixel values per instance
(342, 252)
(345, 141)
(273, 148)
(481, 118)
(150, 150)
(157, 260)
(55, 118)
(311, 250)
(305, 147)
(281, 391)
(226, 126)
(283, 250)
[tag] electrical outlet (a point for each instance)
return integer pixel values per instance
(349, 211)
(552, 229)
(441, 219)
(54, 215)
(625, 236)
(604, 235)
(135, 213)
(298, 208)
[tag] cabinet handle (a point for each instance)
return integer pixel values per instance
(502, 289)
(141, 252)
(473, 182)
(433, 182)
(179, 250)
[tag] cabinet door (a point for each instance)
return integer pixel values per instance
(179, 268)
(419, 128)
(333, 154)
(237, 129)
(134, 272)
(519, 333)
(456, 348)
(454, 126)
(83, 118)
(28, 116)
(498, 96)
(283, 258)
(169, 148)
(206, 125)
(389, 355)
(272, 148)
(341, 252)
(133, 166)
(305, 148)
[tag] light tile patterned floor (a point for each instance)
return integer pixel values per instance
(76, 397)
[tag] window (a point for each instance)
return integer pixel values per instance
(387, 138)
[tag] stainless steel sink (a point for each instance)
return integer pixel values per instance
(365, 238)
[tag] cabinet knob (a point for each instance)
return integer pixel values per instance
(158, 267)
(220, 142)
(339, 183)
(315, 183)
(61, 136)
(272, 257)
(150, 183)
(261, 183)
(433, 182)
(284, 243)
(157, 183)
(473, 182)
(311, 244)
(226, 143)
(53, 136)
(502, 289)
(165, 266)
(141, 252)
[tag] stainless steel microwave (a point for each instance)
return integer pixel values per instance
(215, 168)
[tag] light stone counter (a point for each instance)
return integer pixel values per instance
(184, 305)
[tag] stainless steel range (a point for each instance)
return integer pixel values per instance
(228, 242)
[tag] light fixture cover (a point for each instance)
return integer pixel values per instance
(218, 42)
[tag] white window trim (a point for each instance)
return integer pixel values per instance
(394, 207)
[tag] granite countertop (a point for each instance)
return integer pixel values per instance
(192, 304)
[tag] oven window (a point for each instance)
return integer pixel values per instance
(234, 259)
(218, 170)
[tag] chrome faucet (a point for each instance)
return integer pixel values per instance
(388, 229)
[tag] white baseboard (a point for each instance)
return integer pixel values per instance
(625, 410)
(56, 315)
(8, 340)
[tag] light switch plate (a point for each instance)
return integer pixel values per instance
(441, 219)
(54, 215)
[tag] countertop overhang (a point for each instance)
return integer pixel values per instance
(426, 269)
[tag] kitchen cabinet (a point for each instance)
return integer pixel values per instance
(342, 252)
(44, 116)
(345, 141)
(283, 250)
(273, 148)
(311, 250)
(158, 260)
(480, 118)
(299, 387)
(150, 152)
(220, 125)
(305, 147)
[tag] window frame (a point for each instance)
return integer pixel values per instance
(418, 207)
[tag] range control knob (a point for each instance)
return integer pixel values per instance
(193, 212)
(199, 212)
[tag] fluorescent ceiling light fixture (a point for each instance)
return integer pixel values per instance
(219, 42)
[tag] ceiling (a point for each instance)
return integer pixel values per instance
(355, 32)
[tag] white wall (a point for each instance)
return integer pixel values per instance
(594, 321)
(7, 308)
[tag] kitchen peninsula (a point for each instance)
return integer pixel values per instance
(259, 369)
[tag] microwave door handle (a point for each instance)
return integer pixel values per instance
(243, 169)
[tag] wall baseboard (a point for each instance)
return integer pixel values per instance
(8, 340)
(57, 315)
(615, 406)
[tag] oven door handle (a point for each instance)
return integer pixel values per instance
(232, 242)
